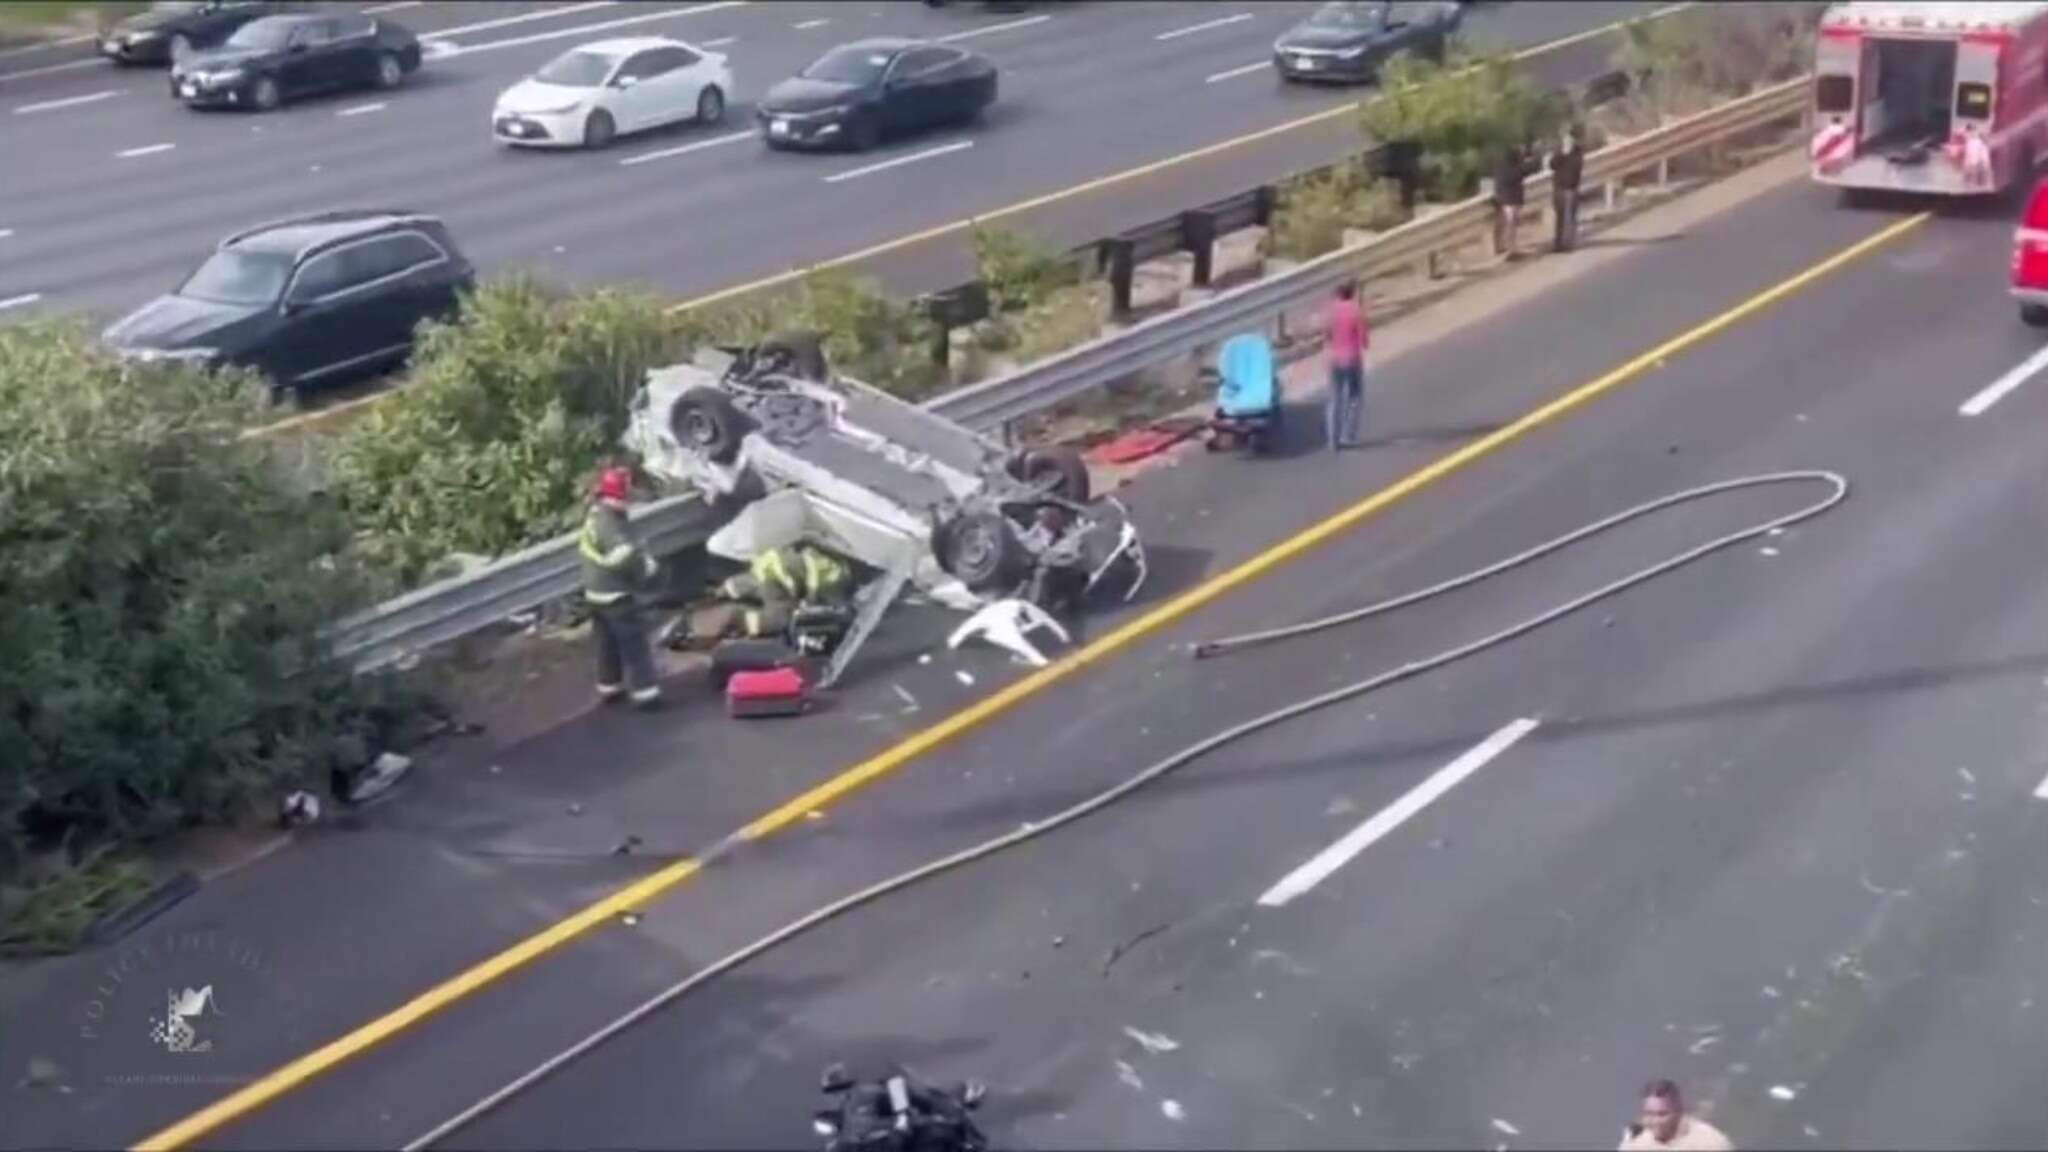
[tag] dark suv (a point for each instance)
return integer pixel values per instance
(308, 301)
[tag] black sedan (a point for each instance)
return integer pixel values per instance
(859, 94)
(279, 58)
(169, 29)
(1348, 40)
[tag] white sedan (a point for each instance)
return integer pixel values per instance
(589, 95)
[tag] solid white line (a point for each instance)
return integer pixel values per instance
(68, 102)
(1326, 862)
(971, 33)
(47, 69)
(721, 42)
(145, 150)
(522, 18)
(1234, 73)
(686, 149)
(18, 301)
(1204, 26)
(45, 46)
(1977, 405)
(898, 162)
(585, 29)
(397, 6)
(359, 109)
(807, 25)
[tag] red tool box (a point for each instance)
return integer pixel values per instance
(768, 692)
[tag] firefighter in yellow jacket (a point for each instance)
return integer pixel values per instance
(781, 580)
(614, 566)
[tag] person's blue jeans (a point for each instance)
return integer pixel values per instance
(1347, 397)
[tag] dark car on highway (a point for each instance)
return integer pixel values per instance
(1348, 40)
(278, 58)
(168, 29)
(308, 301)
(859, 94)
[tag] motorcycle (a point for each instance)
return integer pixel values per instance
(898, 1114)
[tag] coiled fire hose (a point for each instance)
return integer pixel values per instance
(1838, 491)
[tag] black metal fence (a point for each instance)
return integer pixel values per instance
(1115, 259)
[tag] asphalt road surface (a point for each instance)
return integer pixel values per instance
(1776, 830)
(113, 191)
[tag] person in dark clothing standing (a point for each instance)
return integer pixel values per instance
(613, 567)
(1567, 165)
(1509, 176)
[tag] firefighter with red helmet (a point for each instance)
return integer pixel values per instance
(614, 566)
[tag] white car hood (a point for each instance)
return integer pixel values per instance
(533, 98)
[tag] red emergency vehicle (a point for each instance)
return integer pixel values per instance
(1945, 97)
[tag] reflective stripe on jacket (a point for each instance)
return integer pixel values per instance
(611, 559)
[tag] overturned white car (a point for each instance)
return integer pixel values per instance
(830, 461)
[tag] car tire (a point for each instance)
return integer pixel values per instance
(2034, 315)
(390, 70)
(710, 105)
(981, 550)
(706, 421)
(265, 95)
(1059, 464)
(600, 130)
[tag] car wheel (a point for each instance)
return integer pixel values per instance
(389, 71)
(266, 95)
(710, 105)
(981, 550)
(2035, 315)
(181, 47)
(706, 421)
(1060, 469)
(599, 130)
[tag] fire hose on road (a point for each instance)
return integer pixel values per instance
(1838, 490)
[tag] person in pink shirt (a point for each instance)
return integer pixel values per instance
(1345, 339)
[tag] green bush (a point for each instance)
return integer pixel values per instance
(1065, 318)
(1018, 271)
(1313, 213)
(868, 335)
(1462, 112)
(1685, 62)
(511, 409)
(160, 603)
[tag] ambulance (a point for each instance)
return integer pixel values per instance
(1941, 97)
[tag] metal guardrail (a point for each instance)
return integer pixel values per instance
(461, 605)
(990, 405)
(465, 604)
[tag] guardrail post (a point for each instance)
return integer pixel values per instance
(1123, 266)
(1664, 172)
(1198, 235)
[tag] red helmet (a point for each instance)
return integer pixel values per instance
(614, 484)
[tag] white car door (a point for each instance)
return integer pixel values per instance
(638, 97)
(680, 78)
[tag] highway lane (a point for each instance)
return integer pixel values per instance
(93, 229)
(739, 1066)
(1772, 835)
